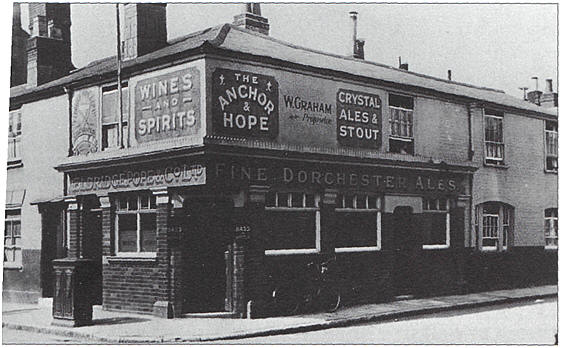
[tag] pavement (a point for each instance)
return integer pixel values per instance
(120, 327)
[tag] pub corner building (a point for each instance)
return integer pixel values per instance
(238, 159)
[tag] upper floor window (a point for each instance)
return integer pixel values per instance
(551, 235)
(401, 124)
(494, 142)
(14, 137)
(110, 118)
(494, 223)
(12, 239)
(436, 223)
(293, 223)
(551, 146)
(359, 220)
(135, 226)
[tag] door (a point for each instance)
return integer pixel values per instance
(407, 246)
(204, 229)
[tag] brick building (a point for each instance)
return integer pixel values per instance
(239, 159)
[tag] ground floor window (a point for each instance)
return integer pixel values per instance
(551, 234)
(135, 225)
(292, 222)
(494, 225)
(436, 223)
(358, 223)
(12, 239)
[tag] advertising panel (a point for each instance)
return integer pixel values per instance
(245, 104)
(168, 106)
(359, 122)
(85, 116)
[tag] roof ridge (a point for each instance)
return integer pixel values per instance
(289, 44)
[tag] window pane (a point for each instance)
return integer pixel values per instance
(16, 228)
(110, 136)
(434, 229)
(283, 199)
(148, 232)
(109, 107)
(127, 232)
(356, 229)
(153, 202)
(297, 199)
(144, 202)
(270, 199)
(372, 202)
(361, 201)
(290, 230)
(133, 202)
(9, 255)
(310, 200)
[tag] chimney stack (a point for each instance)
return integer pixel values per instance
(549, 98)
(403, 66)
(251, 18)
(144, 29)
(357, 44)
(48, 48)
(19, 52)
(535, 95)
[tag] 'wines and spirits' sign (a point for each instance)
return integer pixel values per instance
(168, 105)
(359, 122)
(244, 104)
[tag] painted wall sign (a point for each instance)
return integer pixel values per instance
(244, 104)
(168, 105)
(326, 176)
(140, 178)
(359, 122)
(84, 121)
(311, 112)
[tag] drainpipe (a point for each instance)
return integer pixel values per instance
(470, 135)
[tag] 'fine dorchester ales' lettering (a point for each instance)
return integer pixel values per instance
(168, 105)
(358, 119)
(244, 104)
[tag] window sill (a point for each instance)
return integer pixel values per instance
(435, 247)
(291, 252)
(551, 248)
(15, 164)
(147, 257)
(550, 171)
(494, 165)
(357, 249)
(13, 266)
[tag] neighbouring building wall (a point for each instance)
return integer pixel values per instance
(522, 182)
(44, 144)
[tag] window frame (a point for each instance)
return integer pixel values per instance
(555, 134)
(108, 89)
(367, 210)
(552, 219)
(493, 161)
(440, 211)
(505, 213)
(402, 138)
(16, 264)
(15, 137)
(289, 208)
(137, 212)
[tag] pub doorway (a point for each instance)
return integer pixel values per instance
(204, 224)
(408, 245)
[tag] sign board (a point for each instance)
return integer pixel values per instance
(320, 176)
(244, 104)
(165, 175)
(359, 122)
(168, 105)
(85, 117)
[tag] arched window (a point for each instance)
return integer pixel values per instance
(494, 224)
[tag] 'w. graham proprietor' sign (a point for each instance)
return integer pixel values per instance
(244, 104)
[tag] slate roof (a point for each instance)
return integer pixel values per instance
(236, 39)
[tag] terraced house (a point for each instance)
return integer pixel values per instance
(238, 158)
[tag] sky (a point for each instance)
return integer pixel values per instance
(493, 45)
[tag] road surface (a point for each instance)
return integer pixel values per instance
(522, 323)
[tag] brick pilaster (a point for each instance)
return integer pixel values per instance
(107, 226)
(327, 221)
(74, 228)
(164, 299)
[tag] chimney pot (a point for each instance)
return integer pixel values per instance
(449, 75)
(354, 15)
(535, 78)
